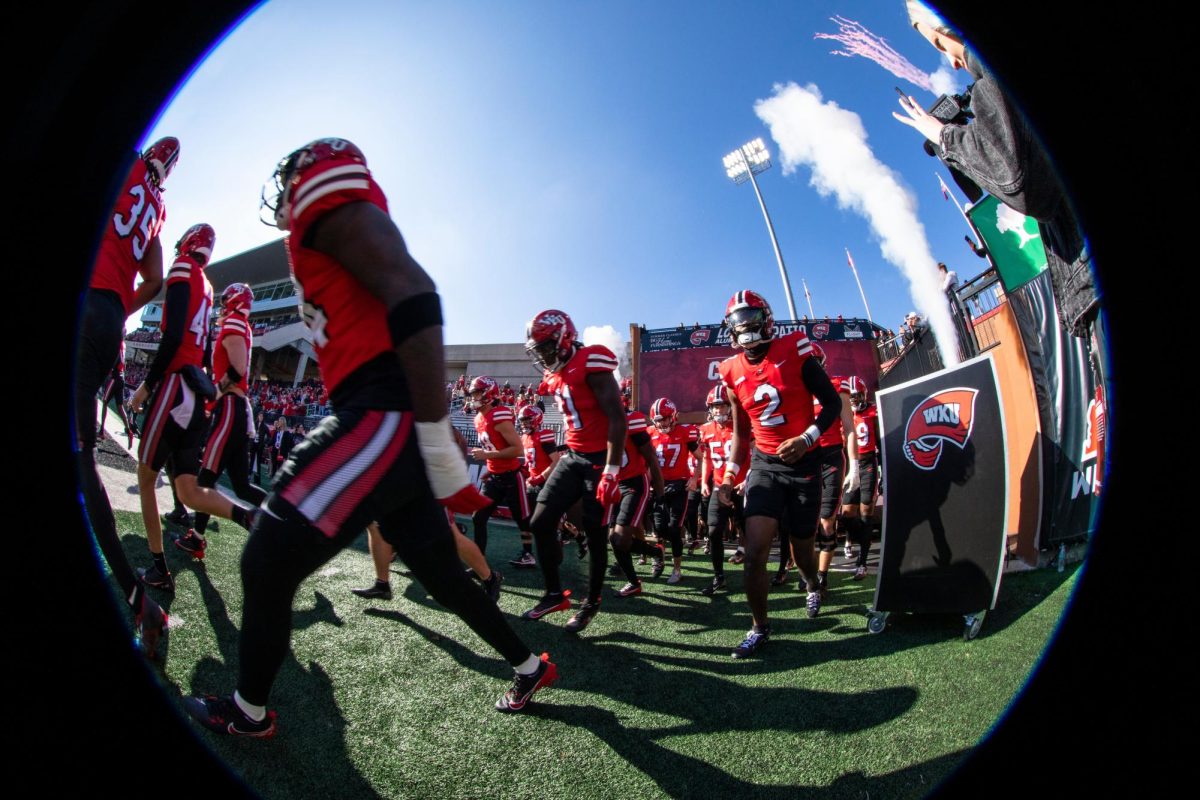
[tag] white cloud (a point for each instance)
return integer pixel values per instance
(944, 81)
(833, 143)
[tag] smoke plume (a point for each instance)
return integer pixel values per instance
(856, 40)
(833, 143)
(608, 336)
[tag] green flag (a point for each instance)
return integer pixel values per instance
(1012, 240)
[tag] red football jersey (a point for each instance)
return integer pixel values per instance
(348, 323)
(866, 430)
(672, 450)
(135, 222)
(632, 462)
(717, 441)
(587, 425)
(235, 325)
(486, 424)
(833, 434)
(534, 444)
(772, 392)
(200, 299)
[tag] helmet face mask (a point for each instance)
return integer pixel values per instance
(160, 159)
(550, 340)
(275, 208)
(751, 323)
(481, 393)
(719, 408)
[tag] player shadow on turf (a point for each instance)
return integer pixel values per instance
(316, 761)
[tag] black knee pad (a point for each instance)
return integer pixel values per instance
(826, 542)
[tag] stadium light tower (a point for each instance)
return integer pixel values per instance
(742, 165)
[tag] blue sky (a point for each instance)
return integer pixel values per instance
(564, 154)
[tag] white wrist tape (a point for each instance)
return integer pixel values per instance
(444, 464)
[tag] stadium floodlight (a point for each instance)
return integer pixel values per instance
(742, 165)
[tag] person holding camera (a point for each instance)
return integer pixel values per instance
(999, 153)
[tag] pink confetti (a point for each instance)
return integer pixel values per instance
(858, 41)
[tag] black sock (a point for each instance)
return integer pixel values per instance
(625, 561)
(383, 584)
(240, 515)
(160, 561)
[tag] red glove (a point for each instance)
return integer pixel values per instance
(608, 491)
(537, 479)
(466, 500)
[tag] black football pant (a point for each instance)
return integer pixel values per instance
(99, 345)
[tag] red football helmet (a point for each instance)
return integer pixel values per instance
(481, 391)
(751, 323)
(664, 414)
(529, 420)
(550, 339)
(818, 353)
(197, 240)
(160, 159)
(718, 404)
(277, 193)
(237, 297)
(858, 392)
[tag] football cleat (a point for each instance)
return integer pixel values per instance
(222, 715)
(676, 577)
(180, 518)
(152, 576)
(780, 578)
(718, 583)
(659, 564)
(525, 686)
(377, 591)
(614, 569)
(737, 558)
(859, 573)
(492, 585)
(582, 617)
(150, 624)
(629, 590)
(549, 604)
(192, 543)
(582, 544)
(813, 604)
(750, 645)
(525, 561)
(848, 550)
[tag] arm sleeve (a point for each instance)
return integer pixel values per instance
(174, 323)
(639, 438)
(821, 387)
(549, 448)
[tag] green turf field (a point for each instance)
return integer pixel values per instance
(394, 699)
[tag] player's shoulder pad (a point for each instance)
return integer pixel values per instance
(234, 323)
(545, 435)
(501, 414)
(598, 358)
(182, 269)
(636, 420)
(801, 341)
(330, 185)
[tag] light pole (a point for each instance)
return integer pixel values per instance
(743, 164)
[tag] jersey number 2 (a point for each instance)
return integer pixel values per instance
(769, 418)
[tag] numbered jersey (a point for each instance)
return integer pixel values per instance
(632, 462)
(672, 450)
(236, 326)
(348, 324)
(866, 431)
(535, 446)
(586, 424)
(200, 300)
(490, 438)
(772, 392)
(135, 222)
(832, 437)
(717, 443)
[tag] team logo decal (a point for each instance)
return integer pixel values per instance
(947, 416)
(700, 336)
(852, 331)
(820, 330)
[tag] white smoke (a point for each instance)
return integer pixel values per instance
(944, 81)
(833, 143)
(607, 335)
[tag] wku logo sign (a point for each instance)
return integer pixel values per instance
(947, 416)
(699, 337)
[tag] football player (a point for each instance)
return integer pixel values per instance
(582, 381)
(386, 453)
(129, 248)
(835, 448)
(114, 388)
(232, 426)
(639, 471)
(771, 385)
(177, 386)
(858, 500)
(716, 447)
(541, 453)
(500, 447)
(673, 443)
